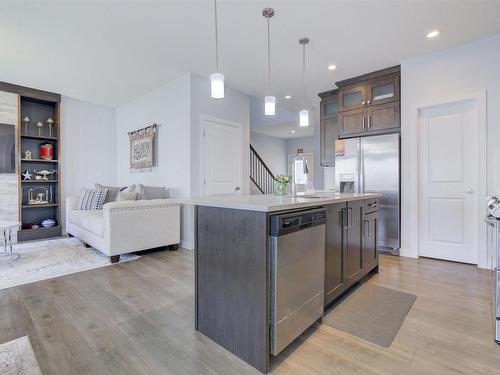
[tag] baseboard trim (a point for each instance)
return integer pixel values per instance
(187, 245)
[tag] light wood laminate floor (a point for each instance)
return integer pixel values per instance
(137, 318)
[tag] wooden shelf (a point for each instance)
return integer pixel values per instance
(39, 161)
(47, 138)
(39, 229)
(38, 181)
(40, 205)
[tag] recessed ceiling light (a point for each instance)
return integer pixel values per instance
(433, 34)
(292, 131)
(288, 96)
(332, 67)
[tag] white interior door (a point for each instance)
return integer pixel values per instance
(448, 181)
(222, 162)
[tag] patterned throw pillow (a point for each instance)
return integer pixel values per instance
(112, 191)
(92, 199)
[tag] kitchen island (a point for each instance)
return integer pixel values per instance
(233, 284)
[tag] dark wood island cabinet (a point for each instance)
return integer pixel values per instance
(232, 263)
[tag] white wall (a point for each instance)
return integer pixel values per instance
(272, 150)
(88, 147)
(168, 106)
(451, 73)
(306, 143)
(235, 107)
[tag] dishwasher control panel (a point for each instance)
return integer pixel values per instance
(293, 221)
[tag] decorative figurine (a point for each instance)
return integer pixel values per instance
(26, 120)
(38, 195)
(51, 123)
(42, 175)
(39, 124)
(26, 175)
(46, 151)
(27, 154)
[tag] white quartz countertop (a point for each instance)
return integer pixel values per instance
(272, 203)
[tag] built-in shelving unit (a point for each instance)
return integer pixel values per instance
(39, 108)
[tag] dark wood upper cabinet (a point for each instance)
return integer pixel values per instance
(329, 129)
(352, 97)
(352, 123)
(369, 104)
(382, 90)
(383, 117)
(329, 106)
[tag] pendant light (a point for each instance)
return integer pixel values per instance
(216, 79)
(304, 113)
(269, 100)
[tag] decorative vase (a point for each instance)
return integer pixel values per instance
(280, 188)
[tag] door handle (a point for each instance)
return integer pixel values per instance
(237, 188)
(470, 191)
(369, 101)
(363, 102)
(366, 228)
(369, 122)
(364, 122)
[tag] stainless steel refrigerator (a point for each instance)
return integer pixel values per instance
(372, 164)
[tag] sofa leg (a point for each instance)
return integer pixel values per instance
(173, 247)
(114, 258)
(70, 235)
(86, 245)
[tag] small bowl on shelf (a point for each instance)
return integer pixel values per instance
(47, 223)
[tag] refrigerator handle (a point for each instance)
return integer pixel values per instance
(361, 167)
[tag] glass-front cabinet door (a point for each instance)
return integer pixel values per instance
(382, 90)
(329, 107)
(352, 97)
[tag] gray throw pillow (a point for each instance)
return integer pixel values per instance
(152, 192)
(126, 196)
(112, 192)
(92, 199)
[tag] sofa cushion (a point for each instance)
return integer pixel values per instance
(92, 199)
(112, 191)
(152, 192)
(91, 220)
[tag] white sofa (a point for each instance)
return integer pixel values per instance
(125, 226)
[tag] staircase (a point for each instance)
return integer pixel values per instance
(260, 174)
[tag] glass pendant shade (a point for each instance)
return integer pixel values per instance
(304, 117)
(217, 85)
(269, 105)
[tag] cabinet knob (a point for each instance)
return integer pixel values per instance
(369, 101)
(363, 102)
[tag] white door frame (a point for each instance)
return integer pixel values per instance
(480, 99)
(201, 142)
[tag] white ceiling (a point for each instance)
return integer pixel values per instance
(284, 130)
(110, 52)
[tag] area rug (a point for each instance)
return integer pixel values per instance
(371, 312)
(17, 358)
(42, 260)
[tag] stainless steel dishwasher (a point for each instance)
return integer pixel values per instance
(297, 243)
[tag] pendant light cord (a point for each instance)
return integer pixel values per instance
(216, 40)
(269, 57)
(303, 76)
